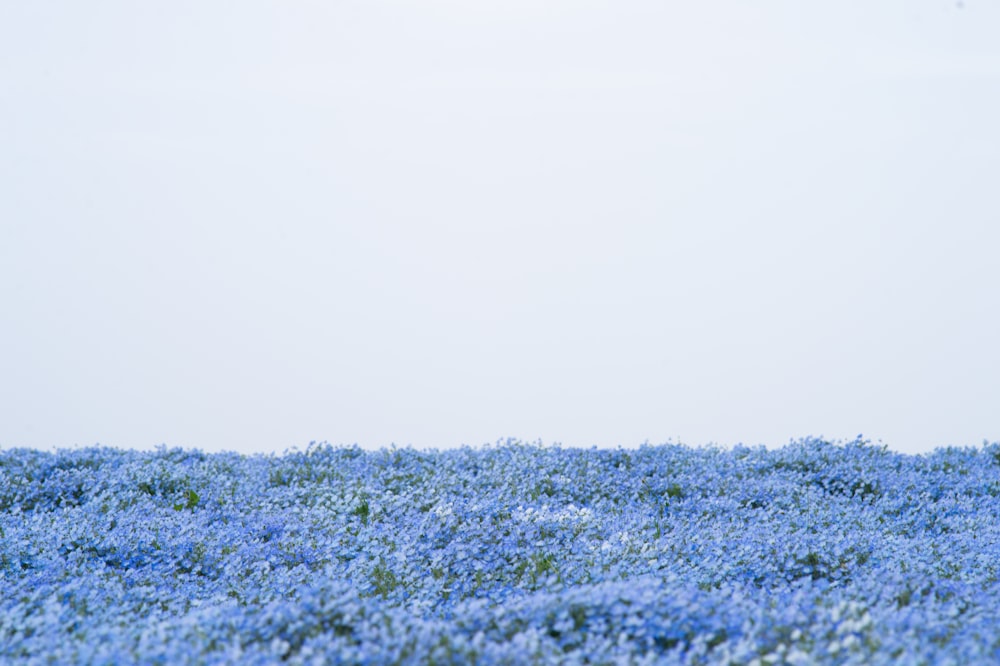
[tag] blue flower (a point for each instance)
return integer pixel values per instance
(513, 553)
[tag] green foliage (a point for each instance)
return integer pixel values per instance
(578, 613)
(280, 477)
(544, 564)
(191, 501)
(363, 511)
(674, 491)
(384, 580)
(543, 487)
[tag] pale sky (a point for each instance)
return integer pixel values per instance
(247, 226)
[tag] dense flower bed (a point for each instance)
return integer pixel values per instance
(514, 554)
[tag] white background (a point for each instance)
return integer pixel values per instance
(246, 226)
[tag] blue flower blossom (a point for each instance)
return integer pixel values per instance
(509, 554)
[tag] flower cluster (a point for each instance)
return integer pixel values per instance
(508, 554)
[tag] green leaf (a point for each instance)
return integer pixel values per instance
(191, 503)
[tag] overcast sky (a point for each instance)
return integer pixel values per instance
(439, 222)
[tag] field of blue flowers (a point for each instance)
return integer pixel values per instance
(509, 554)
